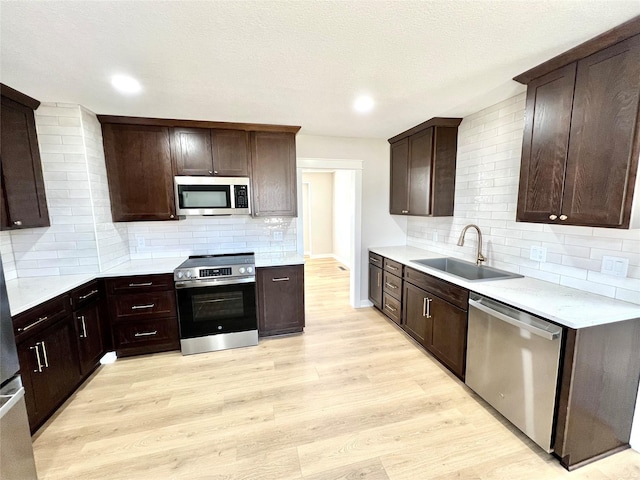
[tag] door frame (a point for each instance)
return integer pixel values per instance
(332, 164)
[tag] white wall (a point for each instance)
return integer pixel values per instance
(321, 212)
(343, 215)
(487, 174)
(378, 228)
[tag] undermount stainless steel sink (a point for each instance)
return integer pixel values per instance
(467, 270)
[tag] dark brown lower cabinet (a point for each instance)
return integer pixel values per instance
(375, 285)
(280, 299)
(416, 322)
(90, 336)
(448, 335)
(49, 368)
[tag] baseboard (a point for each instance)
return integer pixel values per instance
(365, 304)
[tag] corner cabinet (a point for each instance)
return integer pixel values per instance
(273, 174)
(139, 172)
(22, 194)
(423, 169)
(581, 142)
(280, 299)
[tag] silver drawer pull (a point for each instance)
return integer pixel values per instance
(390, 308)
(148, 284)
(44, 354)
(140, 307)
(390, 285)
(395, 269)
(146, 334)
(281, 279)
(39, 370)
(28, 327)
(18, 223)
(92, 292)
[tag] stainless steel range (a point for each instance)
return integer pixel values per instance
(216, 302)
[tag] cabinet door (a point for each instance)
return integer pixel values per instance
(375, 285)
(273, 174)
(51, 359)
(192, 151)
(420, 163)
(603, 150)
(449, 335)
(280, 299)
(399, 180)
(22, 185)
(545, 144)
(416, 321)
(139, 171)
(90, 336)
(230, 153)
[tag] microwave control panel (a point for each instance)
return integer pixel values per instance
(241, 196)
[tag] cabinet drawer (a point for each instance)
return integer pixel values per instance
(36, 318)
(392, 285)
(375, 259)
(142, 305)
(393, 267)
(453, 294)
(391, 307)
(87, 293)
(149, 332)
(140, 283)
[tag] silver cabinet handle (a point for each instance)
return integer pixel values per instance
(44, 354)
(426, 307)
(84, 327)
(18, 223)
(563, 217)
(146, 334)
(210, 172)
(30, 326)
(139, 307)
(553, 217)
(390, 285)
(148, 284)
(39, 370)
(405, 211)
(281, 279)
(395, 269)
(390, 308)
(171, 216)
(379, 277)
(92, 292)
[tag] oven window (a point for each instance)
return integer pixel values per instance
(217, 306)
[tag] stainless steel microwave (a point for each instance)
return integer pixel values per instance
(212, 195)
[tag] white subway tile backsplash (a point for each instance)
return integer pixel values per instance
(487, 179)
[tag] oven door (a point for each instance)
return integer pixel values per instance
(214, 309)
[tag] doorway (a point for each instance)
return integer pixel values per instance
(330, 220)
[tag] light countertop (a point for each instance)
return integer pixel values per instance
(564, 305)
(26, 293)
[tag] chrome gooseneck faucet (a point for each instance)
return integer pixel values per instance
(479, 256)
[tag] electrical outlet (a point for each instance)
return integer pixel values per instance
(434, 236)
(539, 254)
(616, 266)
(140, 242)
(277, 235)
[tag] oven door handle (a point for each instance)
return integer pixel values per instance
(213, 283)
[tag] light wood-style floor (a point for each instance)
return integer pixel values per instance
(351, 398)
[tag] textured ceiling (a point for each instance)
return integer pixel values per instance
(292, 62)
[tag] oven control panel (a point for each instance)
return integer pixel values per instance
(214, 272)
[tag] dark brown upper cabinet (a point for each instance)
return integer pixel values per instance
(581, 142)
(23, 202)
(211, 152)
(423, 169)
(139, 171)
(273, 174)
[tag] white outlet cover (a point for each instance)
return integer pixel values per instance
(277, 235)
(434, 236)
(616, 266)
(538, 254)
(140, 242)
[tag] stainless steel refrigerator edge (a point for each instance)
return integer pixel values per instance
(16, 450)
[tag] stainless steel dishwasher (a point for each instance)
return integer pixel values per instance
(512, 363)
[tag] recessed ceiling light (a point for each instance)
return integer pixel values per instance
(363, 104)
(125, 84)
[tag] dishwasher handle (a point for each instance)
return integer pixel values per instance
(515, 322)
